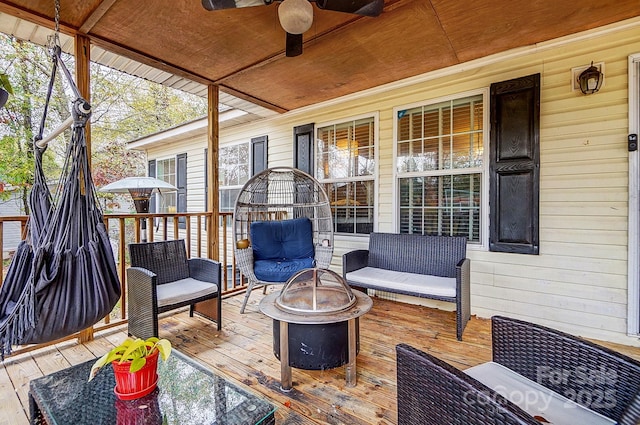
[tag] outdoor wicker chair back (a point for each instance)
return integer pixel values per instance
(432, 392)
(162, 278)
(281, 194)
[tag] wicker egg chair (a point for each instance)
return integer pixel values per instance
(274, 198)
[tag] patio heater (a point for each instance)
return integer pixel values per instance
(140, 189)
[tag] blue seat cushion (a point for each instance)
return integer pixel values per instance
(281, 248)
(282, 240)
(280, 270)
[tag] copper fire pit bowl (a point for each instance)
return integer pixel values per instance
(315, 291)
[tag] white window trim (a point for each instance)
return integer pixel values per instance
(484, 231)
(376, 149)
(633, 272)
(235, 143)
(160, 196)
(237, 186)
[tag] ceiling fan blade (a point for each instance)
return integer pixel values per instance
(232, 4)
(294, 45)
(359, 7)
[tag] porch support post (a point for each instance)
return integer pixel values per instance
(210, 308)
(213, 141)
(83, 58)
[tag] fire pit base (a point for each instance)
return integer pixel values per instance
(316, 323)
(317, 346)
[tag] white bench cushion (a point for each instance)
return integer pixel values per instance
(183, 290)
(402, 281)
(533, 398)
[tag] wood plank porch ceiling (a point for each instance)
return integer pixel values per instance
(242, 50)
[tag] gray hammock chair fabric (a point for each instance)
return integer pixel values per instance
(63, 276)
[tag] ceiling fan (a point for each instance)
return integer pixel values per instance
(296, 16)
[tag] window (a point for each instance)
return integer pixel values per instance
(233, 173)
(439, 162)
(346, 163)
(166, 171)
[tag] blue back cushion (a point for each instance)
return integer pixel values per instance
(282, 240)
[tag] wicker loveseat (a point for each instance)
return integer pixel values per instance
(432, 267)
(606, 384)
(161, 278)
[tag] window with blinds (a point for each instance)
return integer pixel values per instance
(439, 161)
(233, 173)
(345, 165)
(166, 171)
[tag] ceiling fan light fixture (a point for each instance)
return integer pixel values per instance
(296, 16)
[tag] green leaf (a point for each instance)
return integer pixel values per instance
(97, 365)
(133, 346)
(164, 346)
(137, 364)
(113, 356)
(5, 83)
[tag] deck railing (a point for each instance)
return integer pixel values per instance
(128, 228)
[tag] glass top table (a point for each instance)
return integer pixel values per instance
(188, 393)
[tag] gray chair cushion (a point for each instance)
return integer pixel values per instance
(184, 290)
(390, 280)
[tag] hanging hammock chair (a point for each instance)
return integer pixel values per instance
(63, 277)
(281, 224)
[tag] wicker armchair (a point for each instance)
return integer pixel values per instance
(277, 195)
(431, 391)
(525, 348)
(161, 278)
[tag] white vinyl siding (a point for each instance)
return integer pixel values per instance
(194, 149)
(578, 282)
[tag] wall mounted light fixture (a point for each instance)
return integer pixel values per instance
(590, 80)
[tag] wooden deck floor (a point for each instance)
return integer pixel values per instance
(242, 351)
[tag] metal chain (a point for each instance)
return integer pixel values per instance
(57, 16)
(54, 40)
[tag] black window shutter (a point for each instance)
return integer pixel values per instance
(152, 173)
(258, 154)
(303, 148)
(514, 170)
(181, 184)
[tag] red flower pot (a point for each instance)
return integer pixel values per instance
(134, 385)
